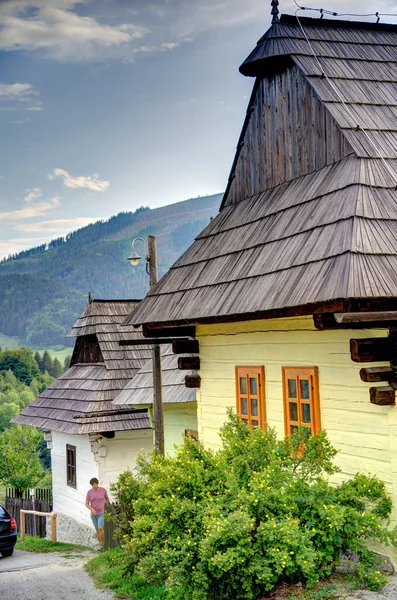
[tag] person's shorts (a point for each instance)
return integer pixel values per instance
(98, 520)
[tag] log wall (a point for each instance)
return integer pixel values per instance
(365, 435)
(289, 133)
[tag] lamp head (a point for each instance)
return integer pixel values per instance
(134, 258)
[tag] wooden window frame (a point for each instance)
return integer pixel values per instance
(259, 373)
(298, 373)
(71, 478)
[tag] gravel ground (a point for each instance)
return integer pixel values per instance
(34, 576)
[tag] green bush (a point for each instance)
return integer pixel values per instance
(238, 522)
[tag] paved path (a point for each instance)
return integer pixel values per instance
(34, 576)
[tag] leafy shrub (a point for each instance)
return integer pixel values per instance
(237, 522)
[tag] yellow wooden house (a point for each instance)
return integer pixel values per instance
(302, 257)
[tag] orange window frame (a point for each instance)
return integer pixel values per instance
(301, 399)
(250, 395)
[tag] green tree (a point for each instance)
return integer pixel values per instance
(56, 370)
(39, 360)
(20, 465)
(47, 362)
(21, 362)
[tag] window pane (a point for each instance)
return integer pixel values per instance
(293, 411)
(254, 407)
(243, 385)
(306, 416)
(292, 388)
(255, 423)
(244, 406)
(305, 393)
(253, 386)
(245, 421)
(293, 428)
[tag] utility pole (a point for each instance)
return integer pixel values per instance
(158, 415)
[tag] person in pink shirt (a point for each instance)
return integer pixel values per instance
(95, 501)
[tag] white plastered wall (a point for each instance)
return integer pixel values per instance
(66, 499)
(120, 454)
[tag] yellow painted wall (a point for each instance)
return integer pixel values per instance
(365, 435)
(177, 418)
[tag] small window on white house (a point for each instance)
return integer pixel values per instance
(71, 465)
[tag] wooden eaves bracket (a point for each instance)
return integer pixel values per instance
(373, 350)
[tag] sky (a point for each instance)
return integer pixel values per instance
(108, 105)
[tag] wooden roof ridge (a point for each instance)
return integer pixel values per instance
(337, 23)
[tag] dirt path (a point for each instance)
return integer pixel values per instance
(34, 576)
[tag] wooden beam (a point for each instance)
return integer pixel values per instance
(382, 396)
(145, 342)
(172, 332)
(185, 346)
(189, 363)
(192, 381)
(365, 317)
(373, 374)
(325, 321)
(370, 349)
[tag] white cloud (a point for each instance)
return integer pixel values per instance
(44, 24)
(155, 49)
(58, 226)
(33, 208)
(90, 182)
(19, 96)
(33, 194)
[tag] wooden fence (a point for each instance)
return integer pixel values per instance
(34, 525)
(111, 541)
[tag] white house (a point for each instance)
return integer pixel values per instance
(88, 435)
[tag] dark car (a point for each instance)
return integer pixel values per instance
(8, 532)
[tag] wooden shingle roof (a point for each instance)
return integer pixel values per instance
(80, 400)
(139, 391)
(298, 237)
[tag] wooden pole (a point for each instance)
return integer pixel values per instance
(22, 521)
(158, 415)
(54, 528)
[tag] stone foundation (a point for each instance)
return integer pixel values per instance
(71, 531)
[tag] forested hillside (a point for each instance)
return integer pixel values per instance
(43, 290)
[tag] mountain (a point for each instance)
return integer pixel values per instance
(43, 289)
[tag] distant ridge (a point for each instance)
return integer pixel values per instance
(42, 290)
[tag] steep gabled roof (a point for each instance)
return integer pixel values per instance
(139, 391)
(80, 400)
(322, 232)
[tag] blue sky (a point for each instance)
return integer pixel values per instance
(107, 105)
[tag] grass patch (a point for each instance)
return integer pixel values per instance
(107, 571)
(59, 354)
(37, 544)
(8, 342)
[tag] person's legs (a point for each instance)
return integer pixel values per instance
(101, 528)
(94, 519)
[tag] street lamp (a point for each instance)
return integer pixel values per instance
(134, 257)
(151, 269)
